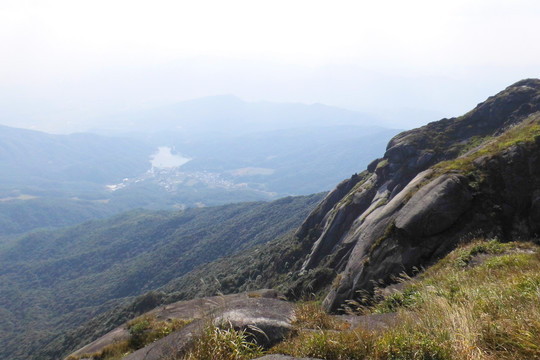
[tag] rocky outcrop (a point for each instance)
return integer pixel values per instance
(261, 313)
(267, 320)
(408, 208)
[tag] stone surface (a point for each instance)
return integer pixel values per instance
(337, 222)
(260, 309)
(268, 320)
(171, 345)
(435, 207)
(113, 336)
(534, 216)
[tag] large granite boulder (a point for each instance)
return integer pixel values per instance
(261, 313)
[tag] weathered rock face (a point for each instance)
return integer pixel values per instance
(260, 313)
(435, 207)
(268, 320)
(401, 213)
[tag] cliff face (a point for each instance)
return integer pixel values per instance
(436, 185)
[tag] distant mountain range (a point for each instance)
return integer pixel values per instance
(237, 151)
(228, 115)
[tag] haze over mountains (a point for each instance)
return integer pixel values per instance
(204, 152)
(295, 156)
(229, 115)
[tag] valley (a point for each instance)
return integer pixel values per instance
(60, 180)
(451, 206)
(269, 180)
(68, 276)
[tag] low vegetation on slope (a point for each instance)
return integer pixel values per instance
(481, 302)
(526, 132)
(51, 282)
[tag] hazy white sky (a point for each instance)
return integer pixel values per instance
(68, 61)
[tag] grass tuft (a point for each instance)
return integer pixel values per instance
(329, 345)
(224, 344)
(310, 315)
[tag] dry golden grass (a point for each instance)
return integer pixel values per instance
(310, 315)
(115, 351)
(327, 344)
(458, 310)
(218, 343)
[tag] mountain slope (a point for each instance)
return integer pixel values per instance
(394, 224)
(57, 280)
(435, 186)
(59, 180)
(479, 302)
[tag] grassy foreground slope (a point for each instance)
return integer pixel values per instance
(482, 301)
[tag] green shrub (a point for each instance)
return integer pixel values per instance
(138, 333)
(397, 300)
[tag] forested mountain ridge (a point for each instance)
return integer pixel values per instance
(51, 181)
(29, 156)
(54, 280)
(228, 114)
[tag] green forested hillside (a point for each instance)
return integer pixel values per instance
(17, 217)
(51, 180)
(55, 280)
(269, 265)
(30, 158)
